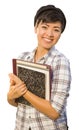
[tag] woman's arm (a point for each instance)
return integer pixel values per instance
(11, 101)
(16, 90)
(41, 105)
(60, 91)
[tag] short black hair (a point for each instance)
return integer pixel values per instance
(49, 14)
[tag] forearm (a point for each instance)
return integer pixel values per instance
(42, 105)
(11, 101)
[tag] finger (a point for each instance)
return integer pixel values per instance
(21, 84)
(12, 82)
(15, 78)
(22, 87)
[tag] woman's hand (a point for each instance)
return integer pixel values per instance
(17, 87)
(14, 79)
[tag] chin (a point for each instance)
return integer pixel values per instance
(47, 48)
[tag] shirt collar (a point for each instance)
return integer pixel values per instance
(31, 54)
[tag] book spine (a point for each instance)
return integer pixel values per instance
(51, 77)
(14, 66)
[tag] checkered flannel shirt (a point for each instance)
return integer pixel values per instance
(28, 117)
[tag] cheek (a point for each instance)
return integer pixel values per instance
(57, 36)
(40, 32)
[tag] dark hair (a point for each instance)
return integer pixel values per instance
(48, 14)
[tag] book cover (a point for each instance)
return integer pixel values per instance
(35, 76)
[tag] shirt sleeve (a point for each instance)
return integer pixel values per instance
(60, 84)
(23, 55)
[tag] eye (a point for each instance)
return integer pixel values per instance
(44, 26)
(57, 30)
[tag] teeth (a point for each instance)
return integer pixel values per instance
(48, 40)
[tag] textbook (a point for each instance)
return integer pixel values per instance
(36, 77)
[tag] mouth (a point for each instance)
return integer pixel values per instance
(47, 39)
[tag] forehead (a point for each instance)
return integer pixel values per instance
(56, 24)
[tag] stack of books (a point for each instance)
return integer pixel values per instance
(37, 78)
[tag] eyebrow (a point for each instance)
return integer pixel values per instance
(59, 27)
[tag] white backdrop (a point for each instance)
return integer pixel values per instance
(17, 35)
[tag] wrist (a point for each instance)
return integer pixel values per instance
(25, 92)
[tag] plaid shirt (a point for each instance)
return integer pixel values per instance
(28, 117)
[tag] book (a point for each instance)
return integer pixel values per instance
(36, 77)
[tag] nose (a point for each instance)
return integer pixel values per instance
(50, 33)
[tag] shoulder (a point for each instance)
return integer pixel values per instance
(59, 58)
(24, 55)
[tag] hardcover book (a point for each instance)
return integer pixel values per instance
(36, 77)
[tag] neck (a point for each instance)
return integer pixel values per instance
(39, 54)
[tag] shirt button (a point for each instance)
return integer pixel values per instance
(29, 128)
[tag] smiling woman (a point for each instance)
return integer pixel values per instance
(49, 24)
(48, 34)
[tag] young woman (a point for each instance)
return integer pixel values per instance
(49, 24)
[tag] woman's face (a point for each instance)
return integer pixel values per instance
(48, 34)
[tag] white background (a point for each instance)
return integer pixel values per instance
(17, 35)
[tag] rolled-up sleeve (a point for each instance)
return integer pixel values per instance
(61, 81)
